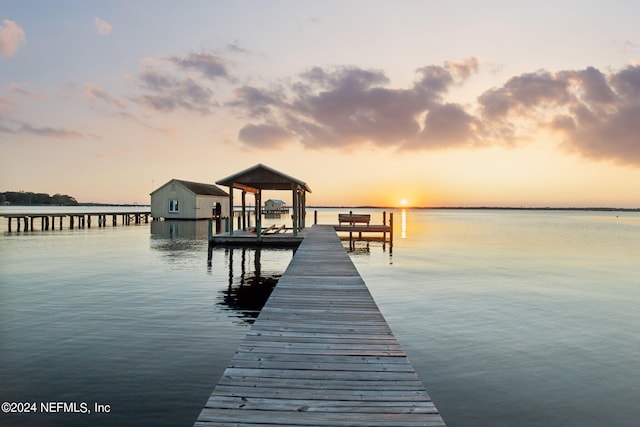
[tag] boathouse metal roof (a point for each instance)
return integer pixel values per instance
(261, 177)
(198, 188)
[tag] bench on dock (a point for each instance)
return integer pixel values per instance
(354, 219)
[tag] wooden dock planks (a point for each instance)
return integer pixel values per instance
(320, 354)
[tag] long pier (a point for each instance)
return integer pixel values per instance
(47, 220)
(320, 354)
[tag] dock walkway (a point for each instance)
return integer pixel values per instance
(320, 354)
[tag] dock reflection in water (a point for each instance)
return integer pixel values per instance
(249, 284)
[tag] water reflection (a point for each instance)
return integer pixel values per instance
(177, 240)
(179, 229)
(249, 285)
(403, 230)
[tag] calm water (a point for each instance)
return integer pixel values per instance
(510, 317)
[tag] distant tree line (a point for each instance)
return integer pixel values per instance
(27, 198)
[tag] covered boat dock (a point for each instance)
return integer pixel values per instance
(254, 180)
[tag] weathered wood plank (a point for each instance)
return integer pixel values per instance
(320, 354)
(320, 405)
(324, 384)
(351, 360)
(304, 417)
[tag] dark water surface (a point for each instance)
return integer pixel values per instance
(510, 317)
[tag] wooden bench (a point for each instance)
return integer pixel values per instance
(354, 219)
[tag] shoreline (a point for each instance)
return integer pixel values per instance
(591, 209)
(496, 208)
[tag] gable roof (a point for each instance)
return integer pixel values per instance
(261, 177)
(198, 188)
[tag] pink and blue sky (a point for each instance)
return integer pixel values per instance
(457, 103)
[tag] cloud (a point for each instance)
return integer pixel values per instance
(11, 37)
(47, 132)
(348, 106)
(209, 65)
(595, 115)
(447, 126)
(264, 136)
(167, 94)
(520, 93)
(6, 105)
(103, 27)
(181, 82)
(256, 102)
(235, 47)
(612, 131)
(589, 112)
(94, 93)
(463, 69)
(25, 92)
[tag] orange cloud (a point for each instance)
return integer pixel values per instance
(104, 28)
(11, 37)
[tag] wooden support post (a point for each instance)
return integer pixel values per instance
(26, 223)
(114, 221)
(384, 222)
(88, 221)
(259, 216)
(295, 208)
(210, 231)
(53, 222)
(302, 213)
(390, 232)
(60, 223)
(244, 210)
(230, 218)
(10, 223)
(18, 225)
(315, 217)
(240, 222)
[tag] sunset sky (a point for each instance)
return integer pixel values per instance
(441, 103)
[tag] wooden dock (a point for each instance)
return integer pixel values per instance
(47, 220)
(320, 354)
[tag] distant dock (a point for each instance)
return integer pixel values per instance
(27, 221)
(275, 236)
(320, 354)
